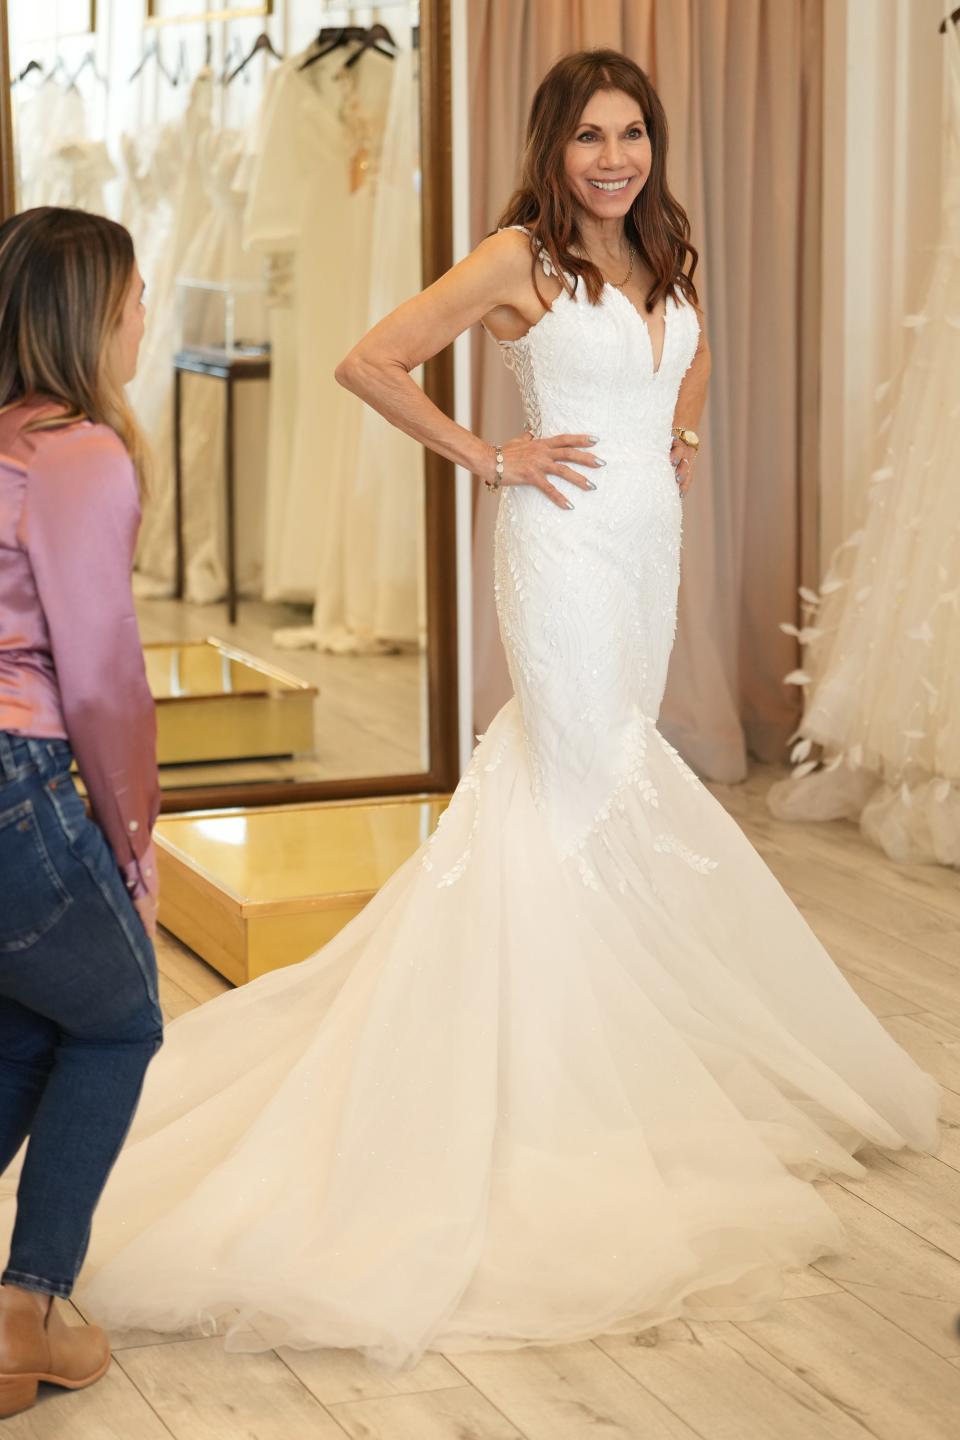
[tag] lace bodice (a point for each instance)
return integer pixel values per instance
(579, 364)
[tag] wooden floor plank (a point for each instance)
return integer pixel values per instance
(906, 1279)
(113, 1409)
(338, 1376)
(460, 1414)
(933, 1041)
(705, 1372)
(203, 1392)
(188, 972)
(891, 1384)
(918, 1191)
(569, 1392)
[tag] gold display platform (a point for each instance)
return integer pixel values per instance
(252, 890)
(215, 702)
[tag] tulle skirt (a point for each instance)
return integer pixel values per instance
(516, 1101)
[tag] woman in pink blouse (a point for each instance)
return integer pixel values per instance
(79, 1014)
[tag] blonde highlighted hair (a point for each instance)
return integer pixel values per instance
(64, 277)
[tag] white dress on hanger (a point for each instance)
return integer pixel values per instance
(216, 253)
(151, 392)
(57, 162)
(574, 1067)
(311, 200)
(150, 166)
(882, 656)
(384, 517)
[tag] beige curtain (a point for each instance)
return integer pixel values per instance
(740, 83)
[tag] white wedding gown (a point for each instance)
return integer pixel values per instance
(881, 664)
(574, 1067)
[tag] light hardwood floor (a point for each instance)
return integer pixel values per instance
(864, 1345)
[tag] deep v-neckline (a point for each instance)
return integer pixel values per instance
(656, 364)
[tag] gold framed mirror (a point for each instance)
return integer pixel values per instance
(296, 585)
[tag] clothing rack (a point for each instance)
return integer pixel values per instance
(208, 17)
(347, 6)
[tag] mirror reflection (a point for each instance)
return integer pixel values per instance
(267, 165)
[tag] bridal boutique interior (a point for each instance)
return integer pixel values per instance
(216, 178)
(267, 160)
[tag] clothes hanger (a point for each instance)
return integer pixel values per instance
(87, 63)
(261, 44)
(370, 41)
(332, 37)
(952, 19)
(182, 71)
(151, 51)
(28, 69)
(57, 69)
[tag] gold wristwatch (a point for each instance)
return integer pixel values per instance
(690, 438)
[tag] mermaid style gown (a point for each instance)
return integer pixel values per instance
(574, 1067)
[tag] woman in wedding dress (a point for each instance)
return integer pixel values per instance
(881, 663)
(575, 1066)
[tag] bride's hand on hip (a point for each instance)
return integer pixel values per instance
(682, 459)
(536, 460)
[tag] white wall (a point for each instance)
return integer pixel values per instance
(883, 128)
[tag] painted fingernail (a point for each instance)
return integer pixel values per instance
(598, 461)
(593, 439)
(569, 504)
(590, 485)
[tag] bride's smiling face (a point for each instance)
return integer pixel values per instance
(608, 158)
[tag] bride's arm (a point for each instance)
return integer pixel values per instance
(690, 402)
(693, 387)
(496, 274)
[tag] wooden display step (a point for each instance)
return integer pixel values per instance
(252, 890)
(215, 702)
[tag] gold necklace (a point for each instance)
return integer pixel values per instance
(620, 283)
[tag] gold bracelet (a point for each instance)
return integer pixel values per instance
(498, 480)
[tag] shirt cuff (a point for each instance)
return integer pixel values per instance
(140, 876)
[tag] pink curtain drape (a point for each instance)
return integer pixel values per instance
(740, 83)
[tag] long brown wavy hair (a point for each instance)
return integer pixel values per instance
(656, 224)
(64, 277)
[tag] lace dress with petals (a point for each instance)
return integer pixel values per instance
(575, 1066)
(881, 666)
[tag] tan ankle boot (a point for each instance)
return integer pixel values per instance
(34, 1347)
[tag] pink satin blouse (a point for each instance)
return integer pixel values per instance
(71, 664)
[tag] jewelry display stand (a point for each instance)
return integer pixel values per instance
(231, 370)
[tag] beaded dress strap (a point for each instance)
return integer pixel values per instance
(546, 263)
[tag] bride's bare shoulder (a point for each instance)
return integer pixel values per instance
(507, 256)
(508, 252)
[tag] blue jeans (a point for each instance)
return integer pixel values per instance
(79, 1013)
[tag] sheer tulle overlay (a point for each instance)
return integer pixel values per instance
(478, 1119)
(574, 1067)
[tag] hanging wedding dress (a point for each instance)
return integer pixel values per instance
(574, 1067)
(311, 200)
(151, 393)
(379, 549)
(882, 654)
(150, 162)
(59, 164)
(42, 115)
(216, 253)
